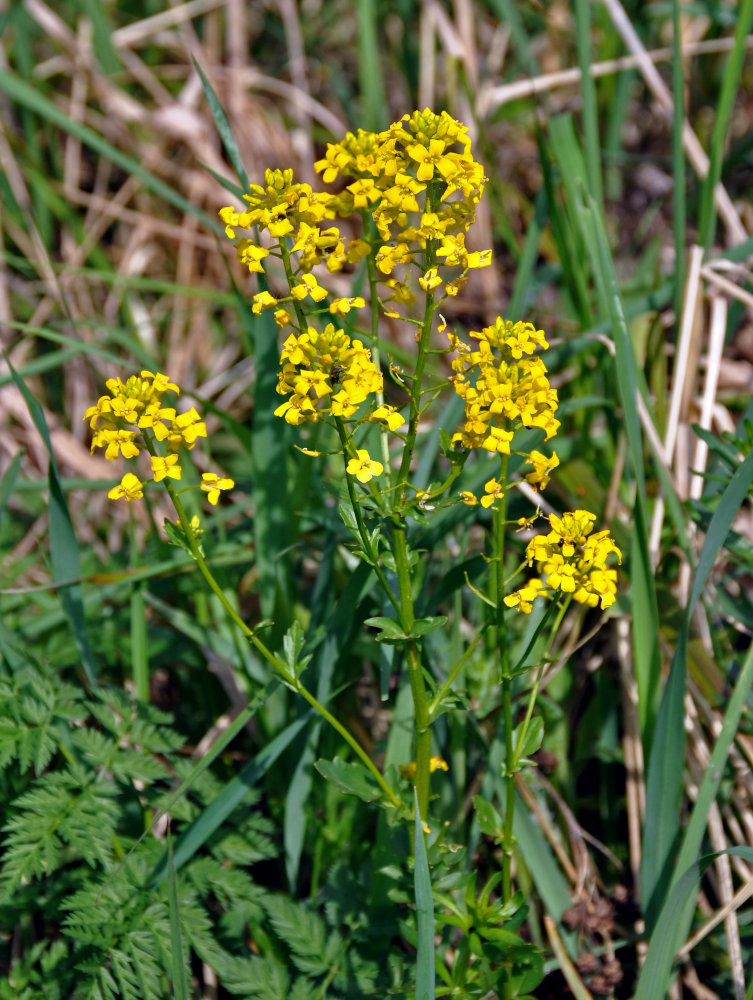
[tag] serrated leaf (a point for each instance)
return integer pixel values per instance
(349, 777)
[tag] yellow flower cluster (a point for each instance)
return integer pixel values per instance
(324, 373)
(573, 561)
(132, 417)
(418, 182)
(503, 387)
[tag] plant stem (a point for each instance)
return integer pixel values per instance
(370, 228)
(499, 525)
(422, 719)
(347, 446)
(268, 655)
(539, 674)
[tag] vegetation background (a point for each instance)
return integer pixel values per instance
(638, 116)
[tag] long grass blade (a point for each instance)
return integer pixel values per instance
(425, 974)
(657, 968)
(693, 838)
(64, 554)
(582, 10)
(223, 128)
(178, 966)
(665, 765)
(196, 835)
(722, 115)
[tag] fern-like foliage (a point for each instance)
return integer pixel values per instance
(81, 778)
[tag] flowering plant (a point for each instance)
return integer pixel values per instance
(400, 217)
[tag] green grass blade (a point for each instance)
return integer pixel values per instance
(139, 644)
(722, 115)
(178, 967)
(370, 77)
(666, 760)
(31, 98)
(588, 93)
(424, 912)
(223, 129)
(693, 838)
(645, 611)
(657, 968)
(524, 270)
(339, 633)
(64, 555)
(197, 833)
(8, 482)
(679, 194)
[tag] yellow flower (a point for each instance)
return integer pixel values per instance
(184, 430)
(130, 488)
(161, 383)
(309, 286)
(435, 764)
(523, 599)
(263, 300)
(573, 561)
(494, 491)
(386, 414)
(542, 469)
(212, 485)
(343, 306)
(468, 498)
(165, 467)
(324, 373)
(115, 442)
(430, 280)
(363, 467)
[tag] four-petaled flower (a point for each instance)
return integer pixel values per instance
(130, 488)
(166, 467)
(364, 467)
(212, 484)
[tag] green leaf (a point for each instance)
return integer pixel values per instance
(489, 820)
(180, 985)
(532, 740)
(292, 643)
(223, 128)
(422, 626)
(350, 777)
(392, 631)
(424, 911)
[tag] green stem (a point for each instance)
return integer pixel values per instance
(373, 556)
(537, 680)
(268, 655)
(422, 719)
(300, 315)
(438, 698)
(369, 226)
(499, 526)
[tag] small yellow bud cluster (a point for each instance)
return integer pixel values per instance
(132, 417)
(572, 561)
